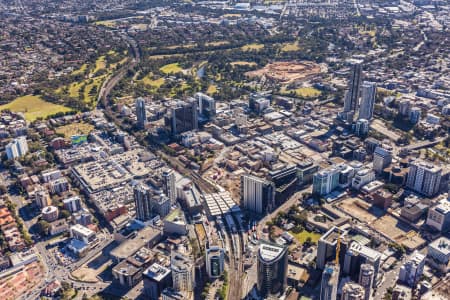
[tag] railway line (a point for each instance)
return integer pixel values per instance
(236, 269)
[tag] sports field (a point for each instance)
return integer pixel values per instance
(34, 107)
(171, 68)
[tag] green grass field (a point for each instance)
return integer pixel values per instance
(106, 23)
(243, 63)
(100, 64)
(75, 129)
(303, 92)
(302, 236)
(74, 88)
(80, 70)
(252, 47)
(155, 83)
(307, 92)
(171, 68)
(288, 47)
(34, 107)
(212, 89)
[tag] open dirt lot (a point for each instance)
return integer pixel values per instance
(89, 272)
(287, 71)
(358, 209)
(399, 231)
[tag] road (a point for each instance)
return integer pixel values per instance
(283, 207)
(388, 280)
(424, 144)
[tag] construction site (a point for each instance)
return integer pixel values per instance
(287, 72)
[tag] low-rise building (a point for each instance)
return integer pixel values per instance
(82, 233)
(175, 223)
(127, 274)
(439, 216)
(439, 253)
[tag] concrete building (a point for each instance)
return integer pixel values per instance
(160, 204)
(330, 282)
(50, 213)
(424, 177)
(352, 291)
(368, 95)
(439, 216)
(358, 254)
(382, 198)
(325, 181)
(141, 113)
(156, 278)
(134, 240)
(127, 274)
(59, 186)
(171, 294)
(206, 106)
(169, 184)
(150, 202)
(412, 269)
(404, 107)
(351, 101)
(439, 253)
(82, 233)
(142, 201)
(17, 148)
(72, 204)
(382, 158)
(183, 117)
(401, 292)
(50, 175)
(362, 127)
(305, 171)
(175, 223)
(362, 177)
(183, 272)
(41, 197)
(366, 279)
(414, 115)
(257, 194)
(215, 258)
(272, 269)
(326, 246)
(432, 119)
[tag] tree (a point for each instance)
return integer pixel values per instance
(42, 227)
(308, 240)
(3, 189)
(65, 214)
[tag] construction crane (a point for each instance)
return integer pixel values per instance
(338, 248)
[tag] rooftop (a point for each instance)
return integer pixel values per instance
(82, 230)
(271, 252)
(131, 246)
(156, 272)
(442, 244)
(126, 268)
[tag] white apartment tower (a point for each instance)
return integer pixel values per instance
(257, 194)
(382, 158)
(424, 178)
(17, 148)
(183, 272)
(368, 95)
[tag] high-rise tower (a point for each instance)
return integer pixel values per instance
(351, 101)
